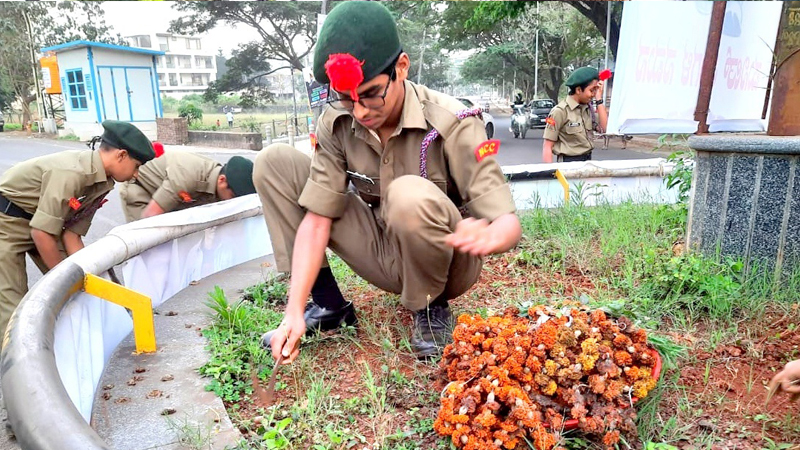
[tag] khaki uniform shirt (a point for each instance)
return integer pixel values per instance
(178, 180)
(43, 187)
(347, 151)
(570, 126)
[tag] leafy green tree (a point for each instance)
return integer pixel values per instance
(505, 43)
(287, 32)
(418, 24)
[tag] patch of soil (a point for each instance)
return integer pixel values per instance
(729, 386)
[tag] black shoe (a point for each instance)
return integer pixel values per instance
(320, 319)
(433, 330)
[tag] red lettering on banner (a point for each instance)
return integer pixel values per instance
(656, 63)
(691, 67)
(487, 148)
(742, 74)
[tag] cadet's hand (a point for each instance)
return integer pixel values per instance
(787, 379)
(598, 95)
(287, 339)
(473, 236)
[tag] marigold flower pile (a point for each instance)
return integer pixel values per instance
(511, 375)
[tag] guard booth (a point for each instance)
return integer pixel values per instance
(105, 82)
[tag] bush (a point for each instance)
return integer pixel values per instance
(191, 112)
(250, 124)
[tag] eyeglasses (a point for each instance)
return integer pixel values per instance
(371, 102)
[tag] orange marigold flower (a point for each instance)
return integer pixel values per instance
(622, 341)
(611, 438)
(623, 358)
(639, 336)
(613, 390)
(542, 439)
(598, 316)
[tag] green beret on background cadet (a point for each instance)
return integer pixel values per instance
(416, 161)
(47, 204)
(570, 127)
(179, 180)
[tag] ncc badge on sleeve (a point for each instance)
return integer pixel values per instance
(550, 122)
(313, 138)
(185, 197)
(487, 148)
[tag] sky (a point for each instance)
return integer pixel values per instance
(129, 18)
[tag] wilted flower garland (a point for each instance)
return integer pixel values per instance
(512, 375)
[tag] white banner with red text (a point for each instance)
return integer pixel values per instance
(659, 60)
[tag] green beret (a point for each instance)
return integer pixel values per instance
(582, 75)
(125, 136)
(239, 172)
(365, 30)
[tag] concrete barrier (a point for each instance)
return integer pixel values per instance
(41, 411)
(226, 139)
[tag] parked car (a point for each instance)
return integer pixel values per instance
(2, 122)
(487, 118)
(539, 110)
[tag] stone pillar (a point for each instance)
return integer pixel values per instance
(268, 134)
(290, 132)
(746, 199)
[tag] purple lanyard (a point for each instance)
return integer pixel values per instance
(433, 134)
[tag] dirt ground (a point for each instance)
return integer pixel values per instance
(715, 400)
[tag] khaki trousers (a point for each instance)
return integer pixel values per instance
(399, 248)
(15, 242)
(134, 200)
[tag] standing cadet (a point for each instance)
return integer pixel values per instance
(47, 204)
(415, 157)
(569, 128)
(179, 180)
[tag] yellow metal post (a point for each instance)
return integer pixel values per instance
(565, 185)
(140, 305)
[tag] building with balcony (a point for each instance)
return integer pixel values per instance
(187, 66)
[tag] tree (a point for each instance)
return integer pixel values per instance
(69, 21)
(566, 40)
(287, 33)
(594, 11)
(418, 28)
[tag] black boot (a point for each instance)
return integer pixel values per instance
(319, 319)
(433, 330)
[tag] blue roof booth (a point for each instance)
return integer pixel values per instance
(107, 82)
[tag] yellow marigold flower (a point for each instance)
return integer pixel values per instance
(550, 389)
(550, 367)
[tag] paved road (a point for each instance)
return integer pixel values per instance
(529, 150)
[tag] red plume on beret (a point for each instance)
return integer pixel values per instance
(345, 73)
(605, 74)
(158, 148)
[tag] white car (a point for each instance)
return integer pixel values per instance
(487, 118)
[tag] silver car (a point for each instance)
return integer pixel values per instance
(487, 118)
